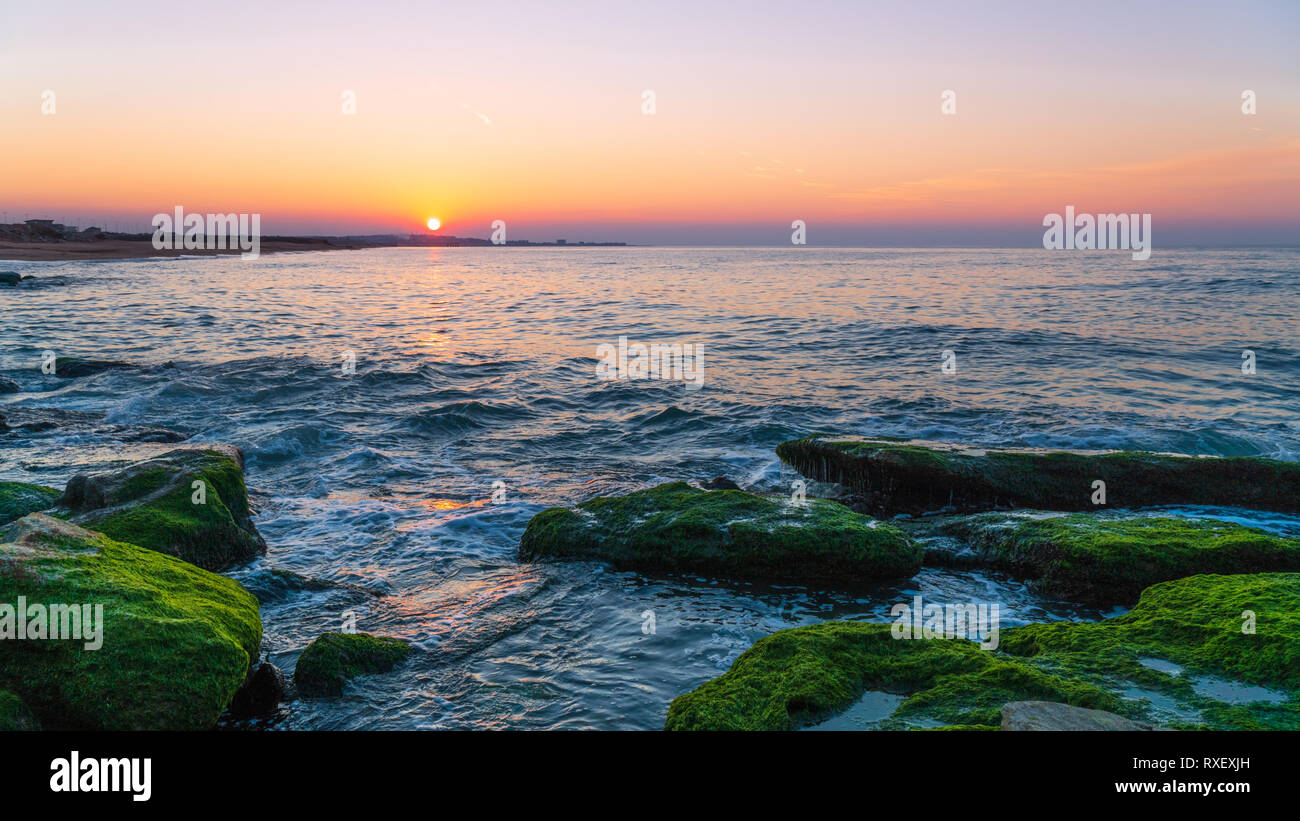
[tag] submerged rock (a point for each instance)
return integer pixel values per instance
(9, 386)
(189, 503)
(15, 715)
(70, 367)
(260, 695)
(677, 527)
(719, 483)
(38, 420)
(17, 499)
(920, 477)
(1102, 560)
(333, 658)
(1050, 715)
(1244, 628)
(174, 642)
(276, 584)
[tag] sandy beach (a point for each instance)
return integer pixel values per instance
(134, 249)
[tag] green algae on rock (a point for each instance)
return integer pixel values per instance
(333, 658)
(922, 477)
(190, 503)
(1091, 558)
(1246, 627)
(678, 527)
(175, 642)
(797, 677)
(17, 499)
(15, 715)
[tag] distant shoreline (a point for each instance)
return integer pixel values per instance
(139, 248)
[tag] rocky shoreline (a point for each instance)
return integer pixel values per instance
(119, 570)
(1212, 641)
(181, 644)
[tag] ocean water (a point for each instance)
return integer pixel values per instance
(478, 365)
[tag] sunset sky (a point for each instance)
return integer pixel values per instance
(765, 113)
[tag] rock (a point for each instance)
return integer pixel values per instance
(677, 527)
(1086, 558)
(924, 477)
(274, 584)
(260, 695)
(1242, 627)
(173, 643)
(153, 504)
(1051, 715)
(334, 658)
(70, 367)
(15, 715)
(37, 420)
(797, 677)
(17, 499)
(9, 386)
(720, 483)
(9, 278)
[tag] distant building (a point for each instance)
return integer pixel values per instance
(561, 242)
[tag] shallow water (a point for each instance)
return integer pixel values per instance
(477, 365)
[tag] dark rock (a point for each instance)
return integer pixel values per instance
(37, 420)
(1051, 715)
(274, 584)
(15, 715)
(9, 278)
(70, 367)
(9, 386)
(897, 476)
(720, 483)
(260, 695)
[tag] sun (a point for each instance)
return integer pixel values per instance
(434, 223)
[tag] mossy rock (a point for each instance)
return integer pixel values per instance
(895, 477)
(15, 715)
(681, 528)
(333, 658)
(17, 499)
(177, 641)
(1198, 624)
(1088, 558)
(152, 504)
(800, 676)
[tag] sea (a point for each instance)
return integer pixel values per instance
(404, 411)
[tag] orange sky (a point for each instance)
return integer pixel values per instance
(761, 117)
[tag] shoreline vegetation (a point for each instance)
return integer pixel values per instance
(1212, 639)
(47, 241)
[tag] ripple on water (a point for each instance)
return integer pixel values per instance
(472, 368)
